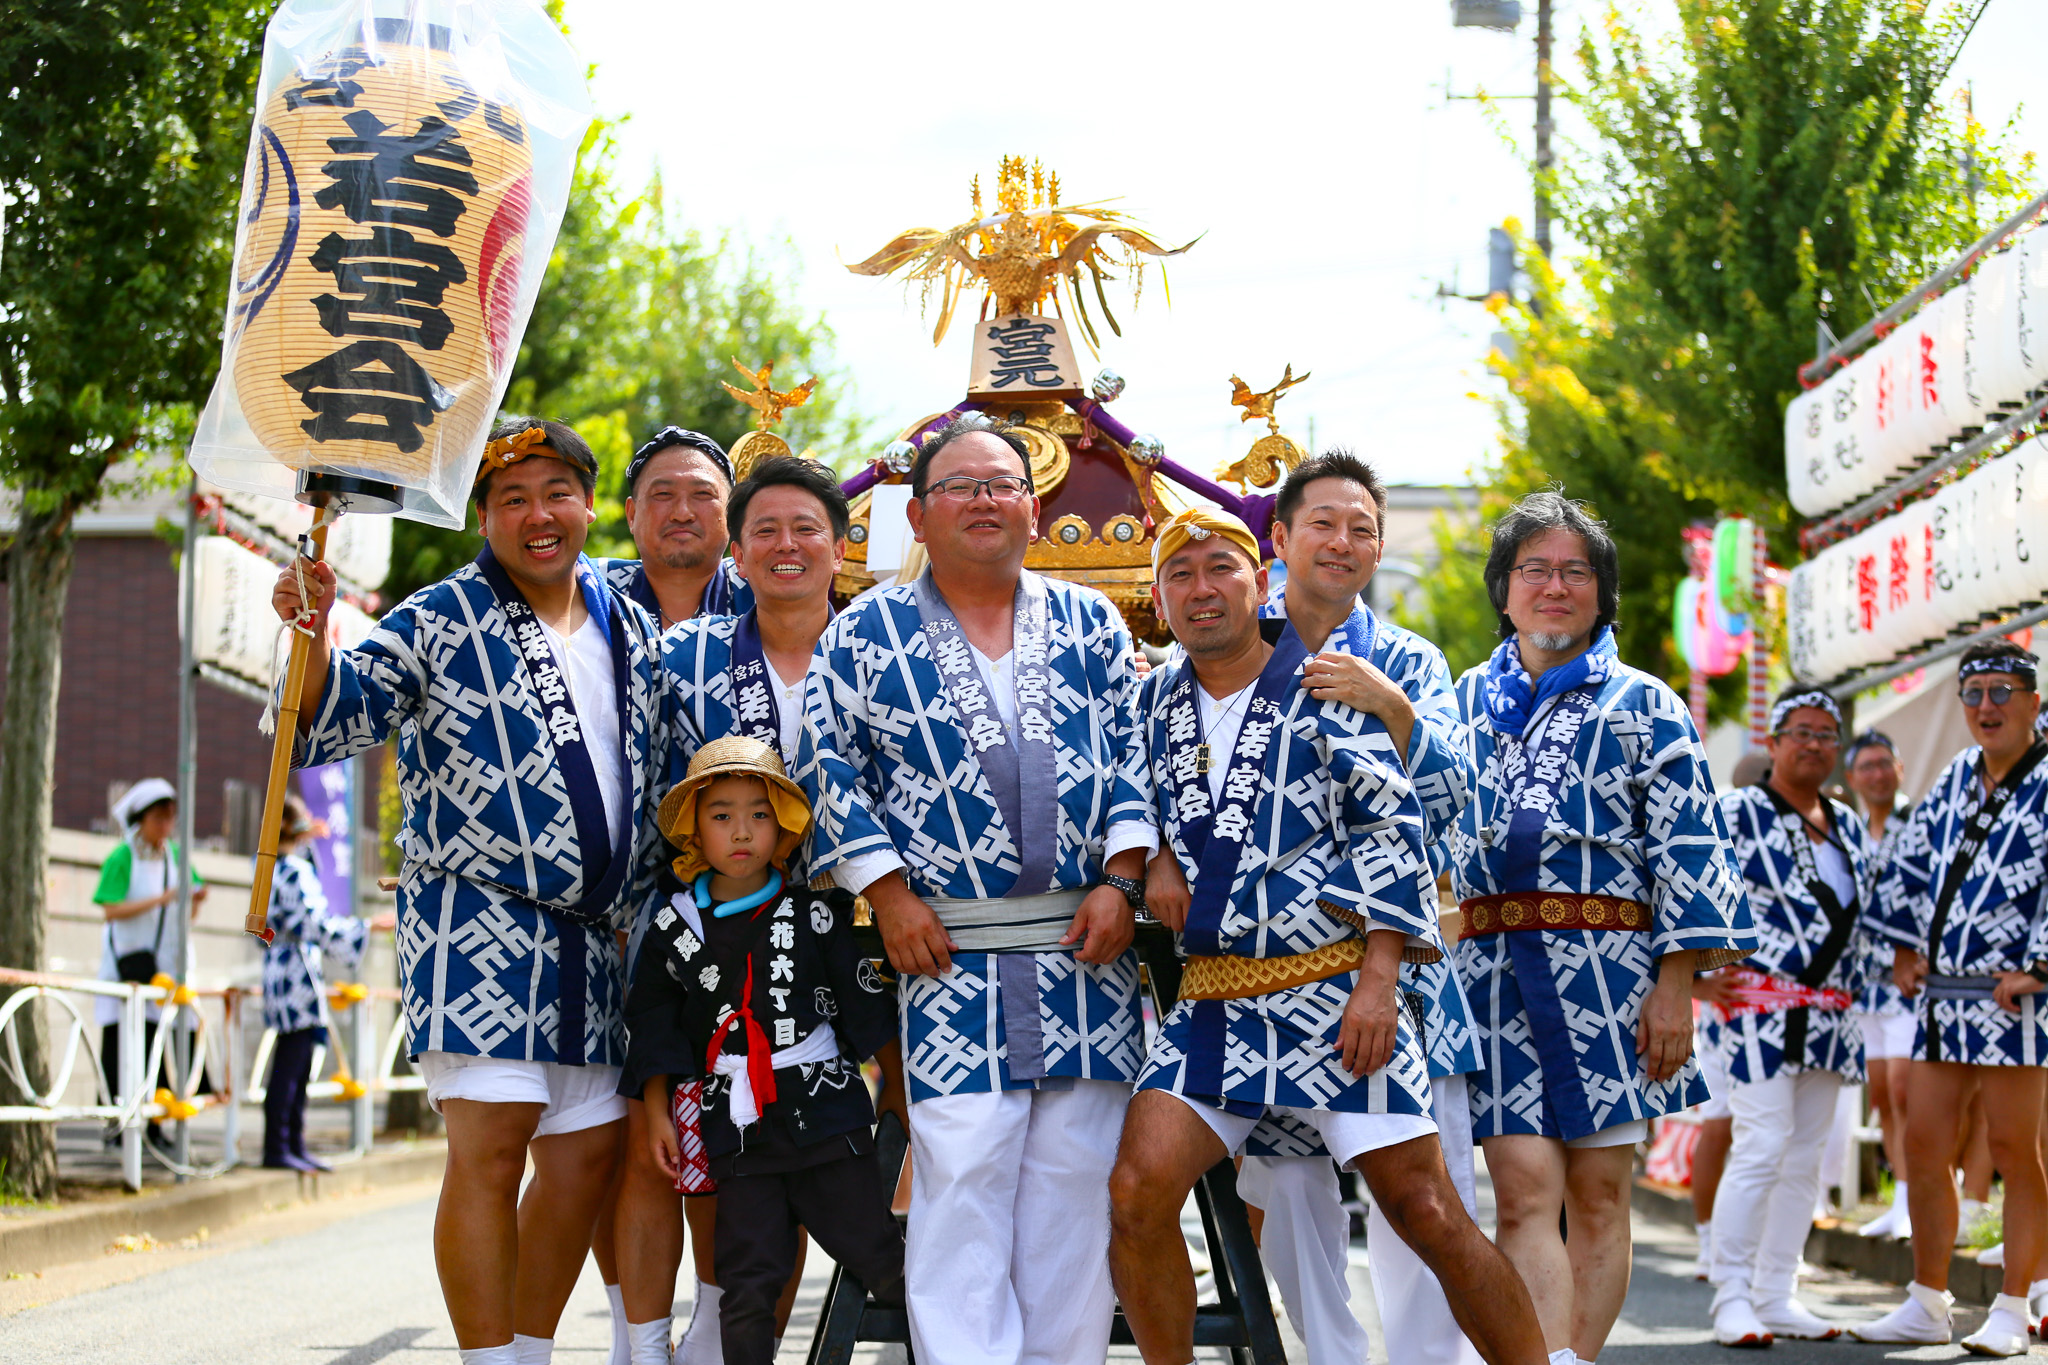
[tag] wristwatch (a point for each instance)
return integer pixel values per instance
(2039, 971)
(1133, 889)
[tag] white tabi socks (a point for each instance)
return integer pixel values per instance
(533, 1350)
(622, 1348)
(649, 1342)
(700, 1344)
(2004, 1332)
(489, 1355)
(1566, 1356)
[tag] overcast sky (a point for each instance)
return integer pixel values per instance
(1335, 184)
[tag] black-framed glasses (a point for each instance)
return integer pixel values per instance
(1800, 734)
(963, 488)
(1575, 573)
(1999, 694)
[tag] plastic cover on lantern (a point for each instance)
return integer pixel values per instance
(407, 174)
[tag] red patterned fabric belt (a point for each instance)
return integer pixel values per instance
(1761, 993)
(1560, 910)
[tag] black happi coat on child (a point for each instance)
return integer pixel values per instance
(762, 981)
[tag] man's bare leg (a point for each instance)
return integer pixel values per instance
(1528, 1175)
(1412, 1187)
(476, 1226)
(1939, 1098)
(648, 1218)
(1164, 1151)
(571, 1172)
(2012, 1112)
(1709, 1159)
(1596, 1189)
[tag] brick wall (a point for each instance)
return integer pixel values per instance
(117, 706)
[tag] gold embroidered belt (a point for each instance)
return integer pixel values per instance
(1550, 910)
(1239, 978)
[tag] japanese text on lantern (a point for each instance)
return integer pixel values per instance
(408, 191)
(1866, 591)
(1900, 579)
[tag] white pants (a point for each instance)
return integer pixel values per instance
(1764, 1208)
(1305, 1244)
(1007, 1259)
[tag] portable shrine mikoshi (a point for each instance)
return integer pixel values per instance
(1099, 482)
(401, 197)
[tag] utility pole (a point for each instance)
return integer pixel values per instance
(1543, 127)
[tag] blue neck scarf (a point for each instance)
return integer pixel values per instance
(1512, 700)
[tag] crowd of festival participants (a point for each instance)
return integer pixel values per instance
(641, 798)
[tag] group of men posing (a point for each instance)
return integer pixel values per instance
(989, 763)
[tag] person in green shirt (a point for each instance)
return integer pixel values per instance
(136, 896)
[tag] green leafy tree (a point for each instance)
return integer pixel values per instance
(1773, 165)
(638, 322)
(123, 125)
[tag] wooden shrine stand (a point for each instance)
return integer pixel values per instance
(1241, 1321)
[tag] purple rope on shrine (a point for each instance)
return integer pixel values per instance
(873, 474)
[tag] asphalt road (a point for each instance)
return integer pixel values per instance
(355, 1285)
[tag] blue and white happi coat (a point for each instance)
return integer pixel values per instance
(1880, 994)
(1995, 922)
(490, 834)
(1333, 819)
(1439, 765)
(888, 770)
(304, 927)
(1791, 928)
(1635, 818)
(725, 593)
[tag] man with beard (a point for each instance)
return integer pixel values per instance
(676, 491)
(1595, 879)
(1295, 879)
(964, 736)
(728, 675)
(522, 690)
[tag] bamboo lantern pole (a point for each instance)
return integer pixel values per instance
(313, 549)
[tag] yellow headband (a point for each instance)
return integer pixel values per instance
(732, 756)
(1199, 523)
(507, 451)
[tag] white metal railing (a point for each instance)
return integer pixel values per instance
(363, 1065)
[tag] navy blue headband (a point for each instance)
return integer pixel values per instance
(1816, 698)
(2021, 666)
(667, 439)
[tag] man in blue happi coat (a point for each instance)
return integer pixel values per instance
(1295, 883)
(1594, 878)
(964, 739)
(522, 691)
(1329, 532)
(726, 675)
(1967, 917)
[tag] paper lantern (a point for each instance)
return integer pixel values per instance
(1685, 600)
(387, 234)
(2000, 373)
(1799, 624)
(1735, 568)
(1806, 453)
(2030, 306)
(405, 181)
(1890, 377)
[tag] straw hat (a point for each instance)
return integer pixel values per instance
(735, 755)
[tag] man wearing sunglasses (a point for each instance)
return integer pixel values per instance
(1787, 1035)
(676, 490)
(963, 739)
(1965, 918)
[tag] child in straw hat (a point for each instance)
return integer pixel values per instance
(755, 987)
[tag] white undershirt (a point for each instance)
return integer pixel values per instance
(789, 711)
(1834, 870)
(1222, 718)
(587, 662)
(1002, 686)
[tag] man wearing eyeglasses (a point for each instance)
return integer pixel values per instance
(963, 740)
(1595, 878)
(1965, 918)
(1328, 526)
(1788, 1037)
(676, 491)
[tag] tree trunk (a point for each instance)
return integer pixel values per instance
(38, 580)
